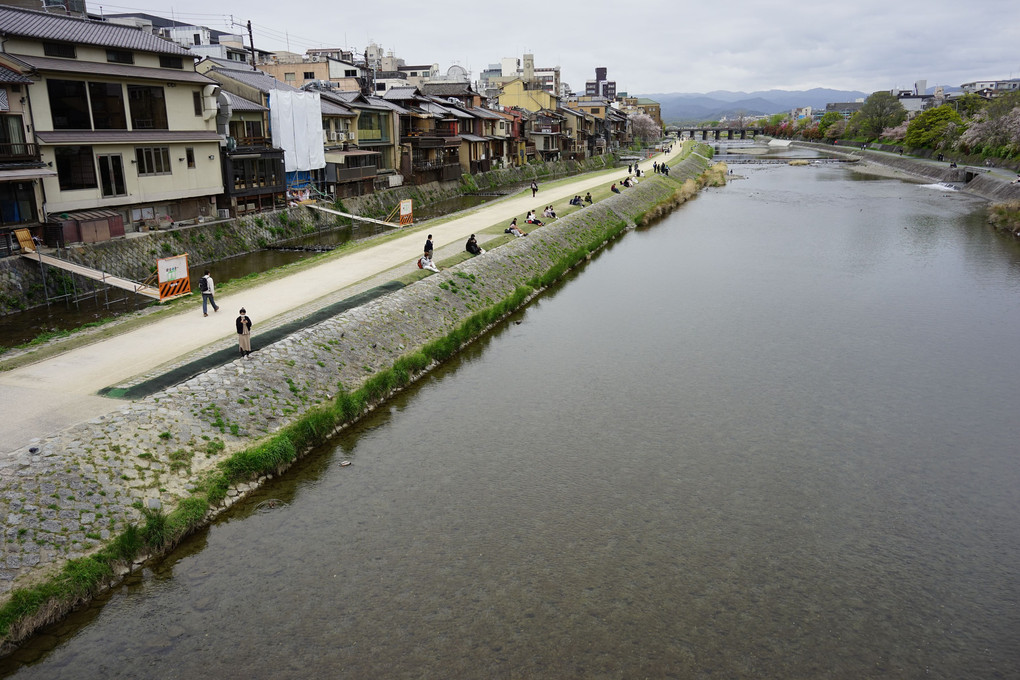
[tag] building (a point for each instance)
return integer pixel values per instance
(601, 86)
(123, 118)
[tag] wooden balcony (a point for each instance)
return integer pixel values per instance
(18, 151)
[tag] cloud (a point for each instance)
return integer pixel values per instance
(660, 46)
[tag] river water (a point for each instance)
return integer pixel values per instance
(773, 436)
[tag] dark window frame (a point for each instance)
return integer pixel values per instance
(153, 161)
(73, 172)
(144, 107)
(60, 49)
(69, 104)
(120, 56)
(111, 175)
(169, 61)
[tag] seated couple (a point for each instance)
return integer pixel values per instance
(515, 230)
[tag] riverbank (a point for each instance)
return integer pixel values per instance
(84, 504)
(23, 285)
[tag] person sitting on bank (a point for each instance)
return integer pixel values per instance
(627, 183)
(614, 189)
(426, 263)
(587, 198)
(473, 247)
(514, 229)
(549, 212)
(576, 200)
(533, 219)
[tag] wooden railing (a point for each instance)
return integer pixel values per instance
(18, 151)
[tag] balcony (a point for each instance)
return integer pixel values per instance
(18, 151)
(354, 174)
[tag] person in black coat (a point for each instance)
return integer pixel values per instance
(244, 332)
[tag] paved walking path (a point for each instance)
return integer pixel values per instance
(45, 397)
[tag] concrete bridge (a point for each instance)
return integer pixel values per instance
(718, 133)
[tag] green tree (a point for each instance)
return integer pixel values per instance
(969, 104)
(881, 110)
(827, 119)
(935, 128)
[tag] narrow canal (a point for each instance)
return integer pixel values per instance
(772, 436)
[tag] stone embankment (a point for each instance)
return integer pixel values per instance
(971, 179)
(134, 256)
(102, 493)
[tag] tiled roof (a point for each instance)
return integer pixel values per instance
(401, 93)
(447, 89)
(9, 76)
(124, 136)
(241, 104)
(43, 26)
(257, 79)
(333, 109)
(105, 69)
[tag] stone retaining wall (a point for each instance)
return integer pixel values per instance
(67, 495)
(970, 179)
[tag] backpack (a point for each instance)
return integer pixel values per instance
(203, 284)
(419, 263)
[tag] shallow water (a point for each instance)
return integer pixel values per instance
(772, 436)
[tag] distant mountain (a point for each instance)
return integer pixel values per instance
(692, 107)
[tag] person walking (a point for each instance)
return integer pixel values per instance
(534, 188)
(208, 288)
(428, 247)
(244, 333)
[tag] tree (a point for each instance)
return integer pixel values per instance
(644, 127)
(935, 128)
(880, 110)
(827, 119)
(836, 130)
(995, 130)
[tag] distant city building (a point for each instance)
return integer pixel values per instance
(601, 86)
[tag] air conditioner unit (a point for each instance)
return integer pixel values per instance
(332, 136)
(341, 136)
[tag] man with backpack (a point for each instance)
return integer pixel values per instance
(208, 288)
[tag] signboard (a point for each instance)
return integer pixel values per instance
(406, 212)
(173, 276)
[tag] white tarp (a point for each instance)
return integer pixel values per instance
(296, 121)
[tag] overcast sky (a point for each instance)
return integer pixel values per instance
(653, 46)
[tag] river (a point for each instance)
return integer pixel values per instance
(772, 436)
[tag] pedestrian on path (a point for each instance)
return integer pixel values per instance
(208, 288)
(428, 247)
(244, 333)
(534, 188)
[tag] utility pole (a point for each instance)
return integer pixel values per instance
(251, 41)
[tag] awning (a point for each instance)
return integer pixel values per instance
(26, 173)
(472, 138)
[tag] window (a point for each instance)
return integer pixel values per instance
(148, 107)
(107, 106)
(120, 57)
(196, 39)
(351, 73)
(75, 167)
(189, 153)
(288, 77)
(166, 61)
(309, 75)
(153, 160)
(68, 104)
(196, 97)
(65, 50)
(111, 175)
